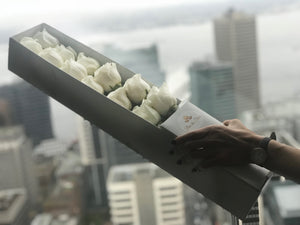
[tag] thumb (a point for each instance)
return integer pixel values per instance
(227, 122)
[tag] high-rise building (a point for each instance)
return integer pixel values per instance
(95, 161)
(13, 207)
(212, 89)
(163, 202)
(99, 151)
(16, 163)
(235, 42)
(30, 108)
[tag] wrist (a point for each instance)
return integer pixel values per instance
(253, 140)
(260, 152)
(256, 140)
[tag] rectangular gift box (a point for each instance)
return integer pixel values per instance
(235, 189)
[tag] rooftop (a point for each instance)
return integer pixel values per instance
(11, 203)
(210, 65)
(124, 173)
(71, 164)
(50, 148)
(11, 137)
(234, 14)
(48, 219)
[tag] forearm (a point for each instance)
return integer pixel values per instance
(284, 160)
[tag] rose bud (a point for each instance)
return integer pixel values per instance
(89, 81)
(119, 96)
(73, 51)
(52, 56)
(46, 39)
(108, 76)
(161, 99)
(89, 63)
(74, 69)
(31, 44)
(136, 88)
(65, 53)
(147, 113)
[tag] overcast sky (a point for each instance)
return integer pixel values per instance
(14, 9)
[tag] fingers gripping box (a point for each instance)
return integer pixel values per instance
(235, 189)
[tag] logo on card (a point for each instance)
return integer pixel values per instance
(190, 120)
(187, 118)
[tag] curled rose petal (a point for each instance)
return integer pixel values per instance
(147, 113)
(119, 96)
(136, 88)
(89, 81)
(108, 76)
(89, 63)
(31, 44)
(52, 56)
(74, 69)
(46, 39)
(161, 99)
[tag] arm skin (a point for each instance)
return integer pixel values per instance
(231, 145)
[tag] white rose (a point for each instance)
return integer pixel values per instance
(136, 88)
(89, 63)
(119, 96)
(52, 56)
(161, 99)
(31, 44)
(72, 50)
(46, 39)
(147, 113)
(65, 53)
(108, 76)
(89, 81)
(74, 69)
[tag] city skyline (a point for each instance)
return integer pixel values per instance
(79, 171)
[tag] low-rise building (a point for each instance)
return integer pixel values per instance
(13, 207)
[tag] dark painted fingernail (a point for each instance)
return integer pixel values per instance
(173, 142)
(179, 162)
(171, 152)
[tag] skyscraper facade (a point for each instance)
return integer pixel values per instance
(29, 107)
(212, 89)
(94, 161)
(235, 42)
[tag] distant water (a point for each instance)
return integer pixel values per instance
(180, 45)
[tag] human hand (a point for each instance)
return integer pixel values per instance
(220, 145)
